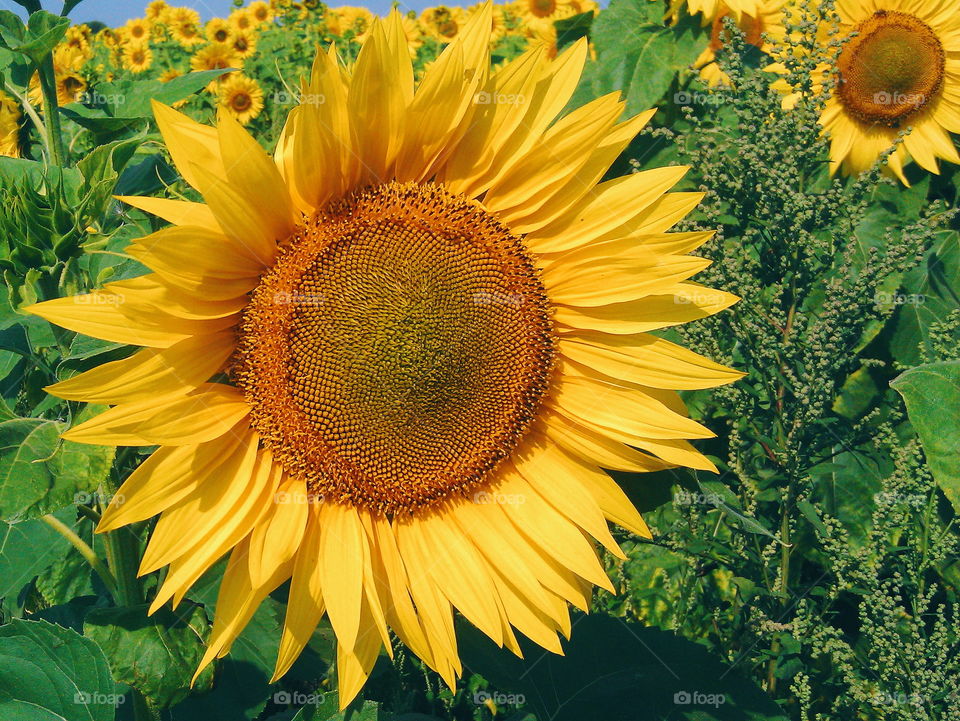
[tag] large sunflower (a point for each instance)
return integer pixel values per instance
(899, 68)
(389, 363)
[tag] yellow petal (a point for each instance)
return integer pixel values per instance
(151, 372)
(610, 406)
(152, 291)
(598, 448)
(646, 360)
(342, 550)
(178, 212)
(190, 144)
(98, 314)
(207, 413)
(277, 537)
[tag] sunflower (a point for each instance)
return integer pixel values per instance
(389, 362)
(358, 19)
(760, 30)
(899, 68)
(241, 97)
(109, 38)
(242, 19)
(218, 30)
(136, 31)
(156, 11)
(498, 24)
(260, 11)
(77, 37)
(543, 9)
(542, 33)
(244, 43)
(137, 57)
(184, 26)
(215, 57)
(9, 126)
(441, 22)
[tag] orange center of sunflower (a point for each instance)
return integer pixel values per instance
(240, 102)
(398, 350)
(542, 8)
(891, 69)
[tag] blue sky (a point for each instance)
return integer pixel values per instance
(117, 12)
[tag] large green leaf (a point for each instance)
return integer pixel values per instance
(932, 395)
(158, 654)
(27, 548)
(40, 473)
(38, 39)
(50, 673)
(638, 54)
(614, 670)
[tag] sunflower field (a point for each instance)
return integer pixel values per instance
(538, 361)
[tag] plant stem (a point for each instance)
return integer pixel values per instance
(88, 553)
(51, 110)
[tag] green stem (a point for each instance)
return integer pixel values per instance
(88, 553)
(51, 110)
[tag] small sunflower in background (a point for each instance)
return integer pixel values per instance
(763, 30)
(218, 30)
(9, 126)
(498, 22)
(542, 33)
(67, 63)
(347, 18)
(442, 23)
(156, 11)
(184, 26)
(136, 30)
(241, 97)
(898, 69)
(137, 57)
(215, 57)
(241, 19)
(389, 362)
(244, 43)
(260, 11)
(533, 10)
(902, 69)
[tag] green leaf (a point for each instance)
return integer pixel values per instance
(50, 673)
(573, 28)
(40, 473)
(932, 395)
(146, 177)
(157, 655)
(100, 170)
(329, 709)
(27, 548)
(610, 669)
(44, 30)
(637, 54)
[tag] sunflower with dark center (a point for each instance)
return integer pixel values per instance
(390, 362)
(898, 70)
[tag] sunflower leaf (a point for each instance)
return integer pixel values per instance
(27, 549)
(932, 395)
(158, 654)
